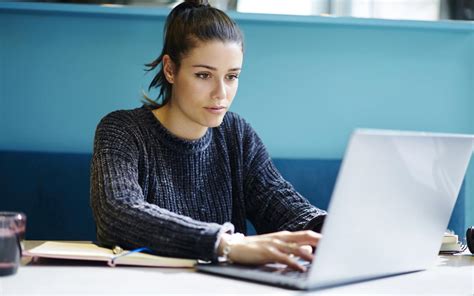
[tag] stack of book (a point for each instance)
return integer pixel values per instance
(451, 244)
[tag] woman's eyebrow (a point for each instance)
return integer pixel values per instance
(213, 68)
(205, 66)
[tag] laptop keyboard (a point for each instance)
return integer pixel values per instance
(282, 269)
(275, 273)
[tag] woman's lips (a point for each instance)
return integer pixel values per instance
(215, 110)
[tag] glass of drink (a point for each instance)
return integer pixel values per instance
(12, 234)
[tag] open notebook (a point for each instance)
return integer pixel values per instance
(92, 252)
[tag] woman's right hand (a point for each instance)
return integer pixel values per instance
(277, 247)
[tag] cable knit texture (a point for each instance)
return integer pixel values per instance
(151, 188)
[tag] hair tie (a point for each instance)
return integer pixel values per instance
(197, 3)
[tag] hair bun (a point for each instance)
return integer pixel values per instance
(198, 2)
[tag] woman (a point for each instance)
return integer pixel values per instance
(182, 176)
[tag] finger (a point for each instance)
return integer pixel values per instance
(305, 237)
(285, 259)
(307, 248)
(296, 250)
(293, 249)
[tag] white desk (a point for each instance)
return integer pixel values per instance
(451, 275)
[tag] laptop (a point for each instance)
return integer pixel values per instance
(390, 207)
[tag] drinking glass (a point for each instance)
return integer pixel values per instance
(12, 234)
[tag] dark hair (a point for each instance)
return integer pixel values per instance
(186, 25)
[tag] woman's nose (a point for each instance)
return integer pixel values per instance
(219, 91)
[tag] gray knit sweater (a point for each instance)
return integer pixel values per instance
(151, 188)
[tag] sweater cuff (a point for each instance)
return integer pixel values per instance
(227, 227)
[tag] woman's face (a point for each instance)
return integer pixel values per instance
(205, 84)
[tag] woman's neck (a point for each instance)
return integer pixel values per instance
(178, 124)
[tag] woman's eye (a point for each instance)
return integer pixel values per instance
(203, 75)
(233, 76)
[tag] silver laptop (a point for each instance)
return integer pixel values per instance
(393, 198)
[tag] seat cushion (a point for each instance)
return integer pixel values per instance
(52, 189)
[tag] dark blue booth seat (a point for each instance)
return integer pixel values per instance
(53, 190)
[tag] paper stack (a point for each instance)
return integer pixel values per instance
(450, 243)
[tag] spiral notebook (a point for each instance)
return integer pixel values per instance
(92, 252)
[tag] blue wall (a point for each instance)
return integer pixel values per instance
(307, 81)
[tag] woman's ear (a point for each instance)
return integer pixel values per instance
(168, 68)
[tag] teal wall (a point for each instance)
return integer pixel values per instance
(307, 81)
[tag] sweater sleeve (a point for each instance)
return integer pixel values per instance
(122, 214)
(272, 202)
